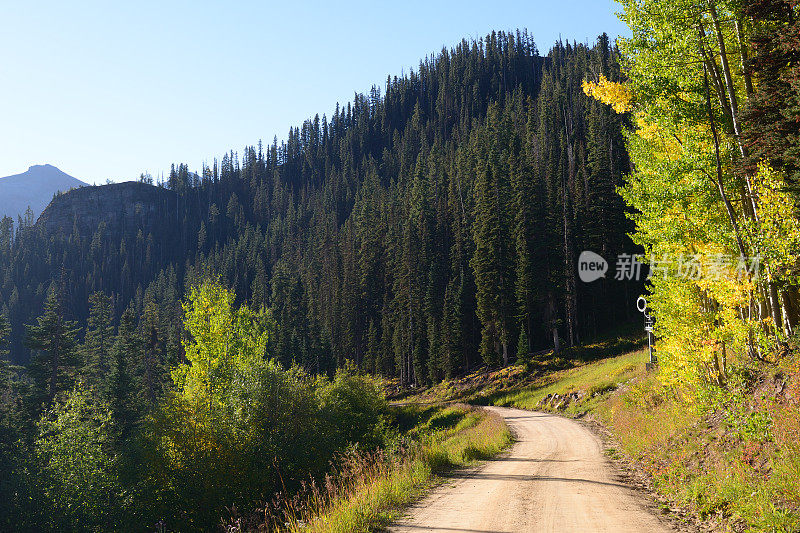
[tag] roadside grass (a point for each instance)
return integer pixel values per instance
(577, 390)
(646, 415)
(734, 464)
(371, 489)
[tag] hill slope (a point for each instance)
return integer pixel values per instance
(33, 188)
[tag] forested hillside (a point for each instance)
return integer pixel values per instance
(200, 353)
(418, 231)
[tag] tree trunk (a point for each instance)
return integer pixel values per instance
(719, 182)
(777, 315)
(556, 342)
(748, 79)
(733, 102)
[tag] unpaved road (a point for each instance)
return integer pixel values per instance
(555, 478)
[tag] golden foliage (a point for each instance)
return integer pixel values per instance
(612, 93)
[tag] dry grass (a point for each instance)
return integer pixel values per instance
(733, 463)
(369, 489)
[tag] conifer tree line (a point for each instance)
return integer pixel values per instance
(418, 232)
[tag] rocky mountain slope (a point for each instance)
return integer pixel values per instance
(124, 207)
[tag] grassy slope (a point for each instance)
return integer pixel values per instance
(578, 390)
(733, 461)
(374, 489)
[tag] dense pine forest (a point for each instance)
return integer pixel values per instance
(417, 233)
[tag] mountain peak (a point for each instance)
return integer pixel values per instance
(47, 166)
(33, 188)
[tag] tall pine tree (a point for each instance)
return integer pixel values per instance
(54, 344)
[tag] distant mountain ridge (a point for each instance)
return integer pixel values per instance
(33, 188)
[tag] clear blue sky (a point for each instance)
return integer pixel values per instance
(107, 90)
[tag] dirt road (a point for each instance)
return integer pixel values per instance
(555, 478)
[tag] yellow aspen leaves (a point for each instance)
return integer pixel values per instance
(611, 93)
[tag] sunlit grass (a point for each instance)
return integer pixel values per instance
(591, 380)
(374, 488)
(703, 463)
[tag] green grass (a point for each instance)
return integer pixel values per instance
(625, 339)
(591, 382)
(443, 438)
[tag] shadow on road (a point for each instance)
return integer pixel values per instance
(437, 528)
(522, 477)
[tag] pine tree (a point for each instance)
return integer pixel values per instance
(492, 263)
(5, 331)
(419, 246)
(150, 368)
(385, 364)
(526, 206)
(99, 339)
(122, 388)
(373, 348)
(6, 238)
(436, 364)
(523, 347)
(53, 339)
(452, 343)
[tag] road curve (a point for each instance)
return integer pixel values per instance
(555, 478)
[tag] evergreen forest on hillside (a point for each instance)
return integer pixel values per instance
(186, 350)
(418, 232)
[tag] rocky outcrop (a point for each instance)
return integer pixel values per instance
(125, 208)
(559, 402)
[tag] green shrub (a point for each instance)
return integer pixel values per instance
(76, 481)
(352, 408)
